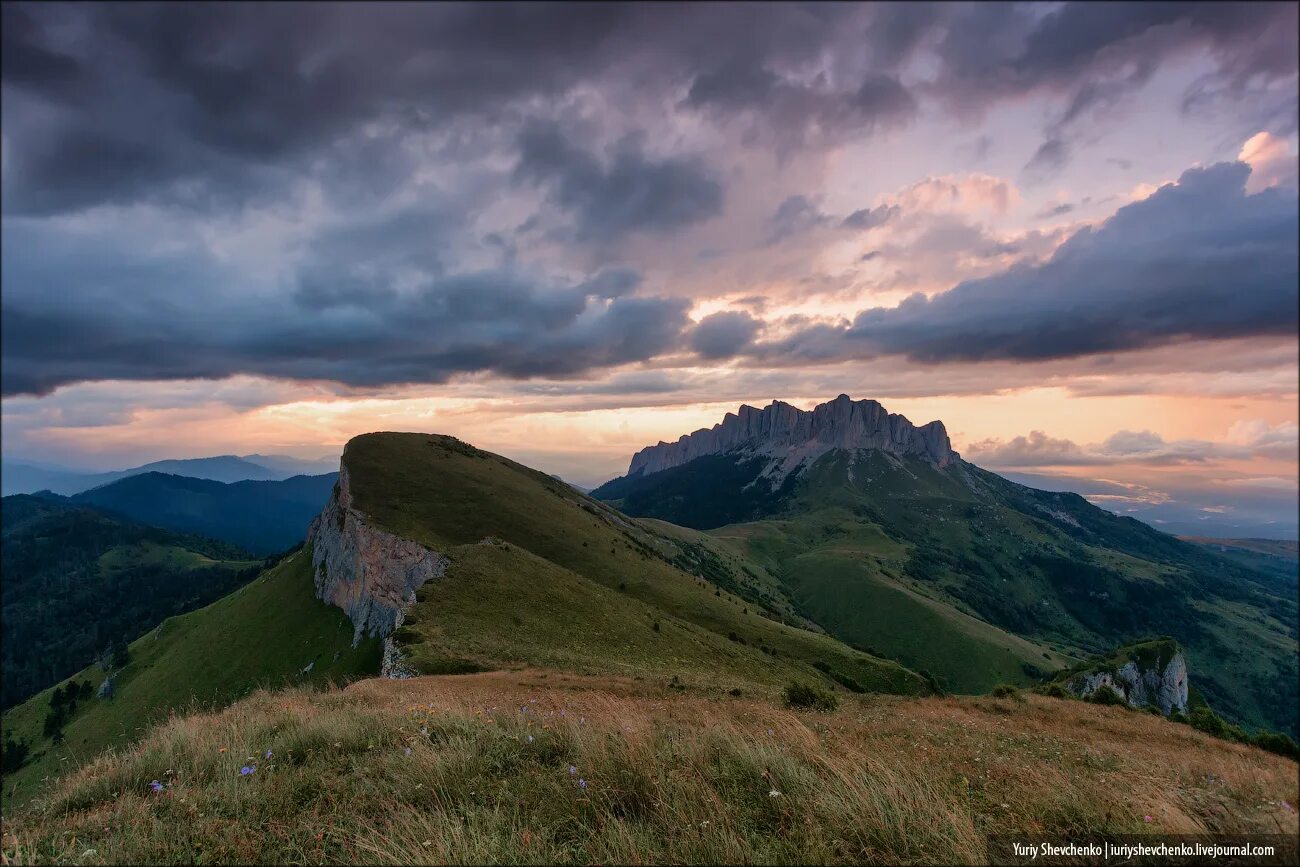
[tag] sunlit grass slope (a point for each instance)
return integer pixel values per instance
(578, 585)
(500, 606)
(263, 634)
(532, 767)
(846, 575)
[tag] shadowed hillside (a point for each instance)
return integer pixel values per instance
(265, 517)
(78, 581)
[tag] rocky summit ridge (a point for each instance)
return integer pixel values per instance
(779, 428)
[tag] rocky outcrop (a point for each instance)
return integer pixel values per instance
(369, 573)
(1160, 681)
(394, 665)
(842, 423)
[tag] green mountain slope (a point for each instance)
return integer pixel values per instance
(1273, 556)
(451, 496)
(77, 580)
(907, 558)
(263, 634)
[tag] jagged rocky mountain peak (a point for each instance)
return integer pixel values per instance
(779, 427)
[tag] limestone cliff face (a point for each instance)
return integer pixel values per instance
(781, 428)
(369, 573)
(1165, 687)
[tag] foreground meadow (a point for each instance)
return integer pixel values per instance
(527, 767)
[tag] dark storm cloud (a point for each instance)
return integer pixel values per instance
(220, 101)
(735, 84)
(628, 192)
(1097, 54)
(760, 69)
(1199, 259)
(366, 323)
(207, 94)
(212, 103)
(996, 50)
(201, 110)
(723, 335)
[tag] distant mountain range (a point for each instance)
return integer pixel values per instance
(23, 477)
(877, 531)
(261, 516)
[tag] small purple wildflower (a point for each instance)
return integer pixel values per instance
(530, 739)
(268, 754)
(572, 770)
(246, 770)
(1146, 818)
(582, 721)
(156, 787)
(406, 751)
(561, 711)
(582, 784)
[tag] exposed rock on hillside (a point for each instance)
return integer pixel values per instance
(372, 575)
(1154, 674)
(781, 428)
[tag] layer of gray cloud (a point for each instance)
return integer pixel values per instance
(118, 317)
(632, 192)
(1037, 449)
(205, 112)
(1196, 260)
(210, 103)
(1093, 56)
(723, 335)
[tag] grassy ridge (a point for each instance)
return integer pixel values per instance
(263, 634)
(530, 767)
(501, 606)
(446, 494)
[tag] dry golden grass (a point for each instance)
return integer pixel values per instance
(669, 777)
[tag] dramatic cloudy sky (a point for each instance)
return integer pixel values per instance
(561, 232)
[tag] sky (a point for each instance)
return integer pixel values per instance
(561, 233)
